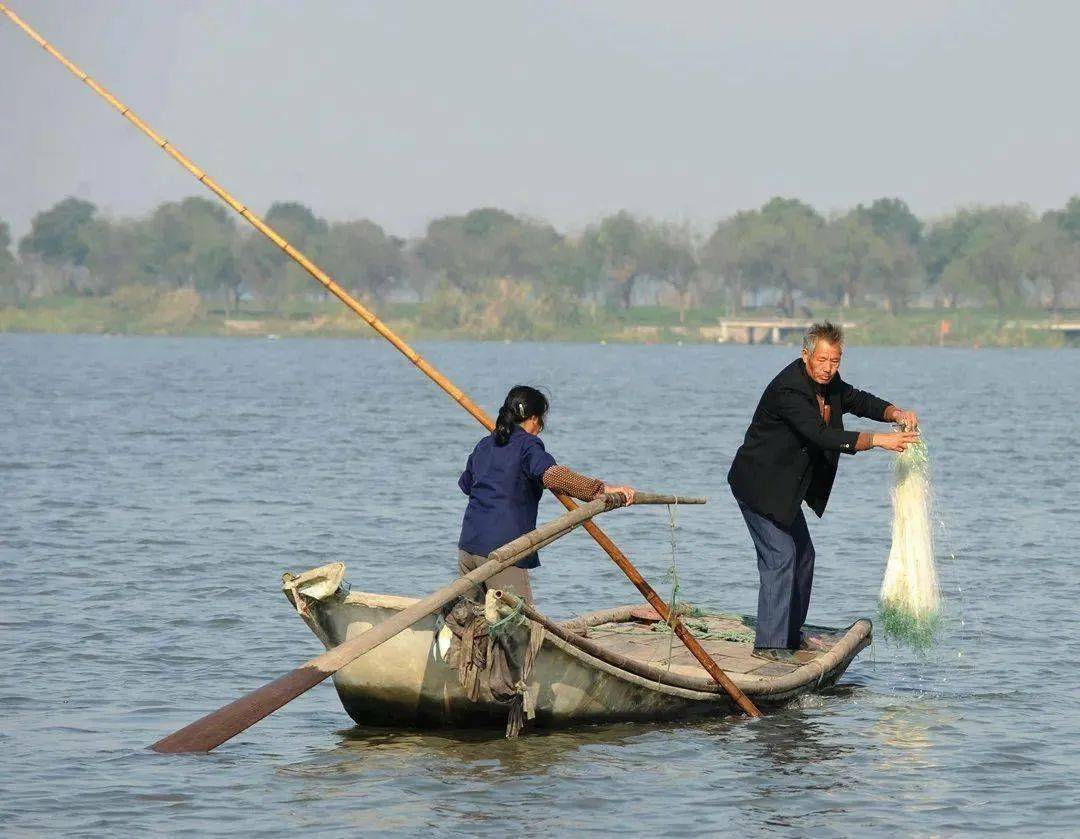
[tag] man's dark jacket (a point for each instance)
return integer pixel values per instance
(789, 453)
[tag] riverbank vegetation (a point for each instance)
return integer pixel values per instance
(981, 276)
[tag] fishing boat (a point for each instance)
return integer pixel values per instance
(617, 664)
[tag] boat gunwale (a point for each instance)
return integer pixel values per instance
(827, 667)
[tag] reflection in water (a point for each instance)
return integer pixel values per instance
(787, 738)
(797, 735)
(470, 776)
(800, 757)
(905, 730)
(726, 757)
(464, 753)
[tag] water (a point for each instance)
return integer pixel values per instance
(152, 490)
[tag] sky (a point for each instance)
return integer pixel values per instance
(404, 111)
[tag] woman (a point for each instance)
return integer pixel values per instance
(504, 478)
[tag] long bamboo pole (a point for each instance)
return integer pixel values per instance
(375, 323)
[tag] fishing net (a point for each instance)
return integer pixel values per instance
(697, 621)
(910, 599)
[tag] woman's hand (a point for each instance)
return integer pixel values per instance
(626, 491)
(897, 441)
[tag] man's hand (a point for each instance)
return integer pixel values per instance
(897, 441)
(905, 419)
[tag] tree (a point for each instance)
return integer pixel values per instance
(486, 243)
(1051, 255)
(674, 260)
(192, 243)
(1069, 218)
(787, 247)
(850, 256)
(57, 235)
(419, 277)
(525, 248)
(893, 268)
(575, 268)
(8, 287)
(296, 222)
(70, 249)
(944, 243)
(989, 263)
(115, 255)
(360, 256)
(891, 218)
(622, 244)
(875, 248)
(266, 269)
(733, 256)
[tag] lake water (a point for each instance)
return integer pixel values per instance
(153, 490)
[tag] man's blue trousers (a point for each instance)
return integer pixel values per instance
(785, 559)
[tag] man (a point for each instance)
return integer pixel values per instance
(790, 455)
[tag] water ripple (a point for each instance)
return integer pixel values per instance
(144, 528)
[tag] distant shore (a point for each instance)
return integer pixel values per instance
(177, 314)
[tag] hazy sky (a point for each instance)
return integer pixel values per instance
(402, 111)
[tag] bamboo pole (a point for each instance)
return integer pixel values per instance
(375, 323)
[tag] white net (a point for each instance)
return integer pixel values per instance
(910, 599)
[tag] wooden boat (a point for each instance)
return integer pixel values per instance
(602, 667)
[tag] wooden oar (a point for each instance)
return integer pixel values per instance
(369, 317)
(223, 724)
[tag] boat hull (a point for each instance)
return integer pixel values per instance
(408, 682)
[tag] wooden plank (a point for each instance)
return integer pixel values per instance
(772, 668)
(729, 648)
(731, 665)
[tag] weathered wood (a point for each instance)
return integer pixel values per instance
(664, 498)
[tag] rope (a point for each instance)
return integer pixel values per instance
(508, 623)
(673, 575)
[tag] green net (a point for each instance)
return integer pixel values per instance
(703, 631)
(916, 631)
(509, 622)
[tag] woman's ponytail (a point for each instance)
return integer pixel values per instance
(504, 425)
(521, 403)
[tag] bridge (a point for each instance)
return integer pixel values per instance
(1071, 331)
(760, 331)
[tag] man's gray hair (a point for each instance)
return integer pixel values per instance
(826, 331)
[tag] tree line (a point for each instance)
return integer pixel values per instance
(785, 255)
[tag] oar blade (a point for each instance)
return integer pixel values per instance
(225, 723)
